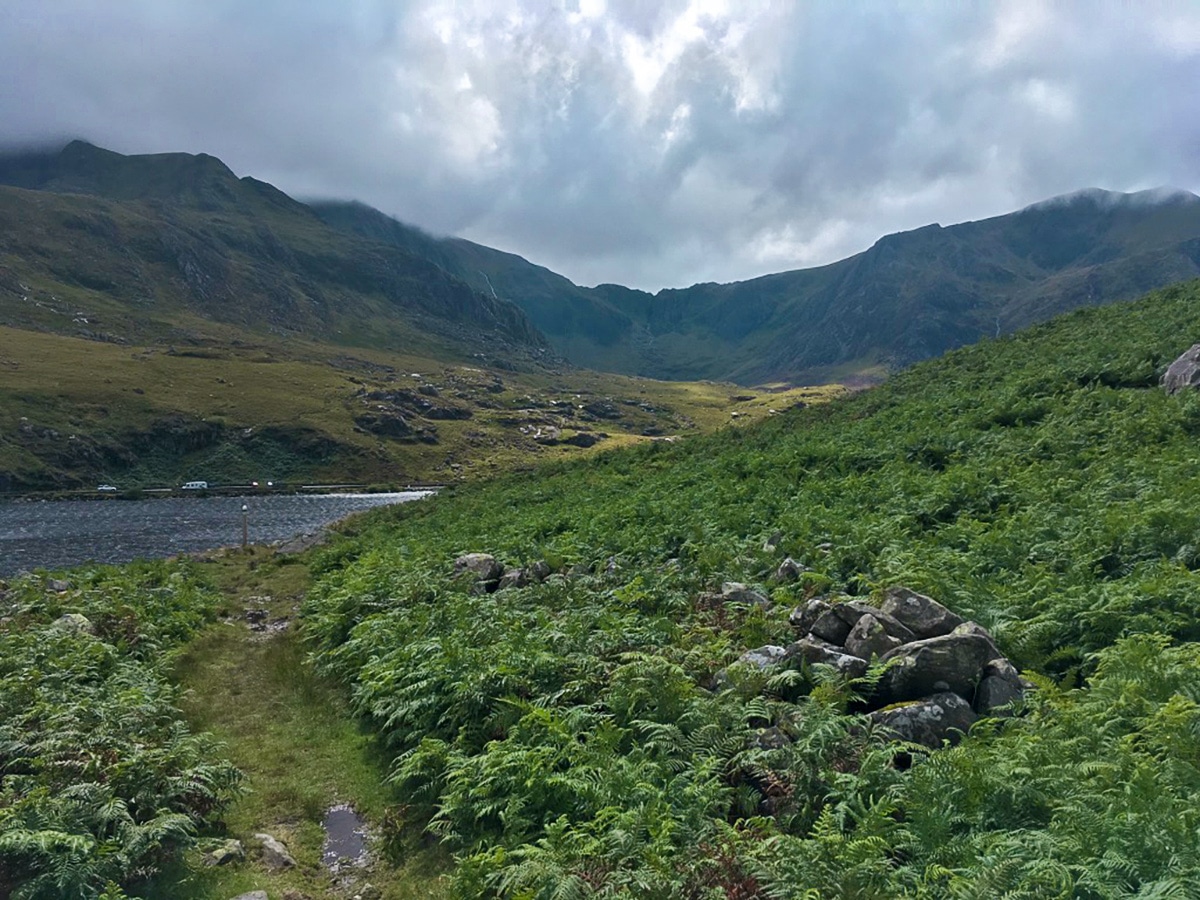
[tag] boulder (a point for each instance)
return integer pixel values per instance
(763, 657)
(75, 623)
(831, 626)
(1184, 373)
(275, 855)
(58, 585)
(229, 852)
(771, 738)
(1000, 687)
(869, 638)
(736, 592)
(252, 895)
(540, 570)
(513, 578)
(773, 541)
(802, 618)
(814, 651)
(952, 662)
(924, 616)
(973, 628)
(929, 722)
(482, 566)
(789, 570)
(853, 610)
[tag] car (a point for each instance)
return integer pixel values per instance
(196, 486)
(107, 488)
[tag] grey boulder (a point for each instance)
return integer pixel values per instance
(952, 662)
(924, 616)
(274, 853)
(869, 638)
(736, 592)
(483, 567)
(814, 651)
(803, 618)
(930, 722)
(1184, 372)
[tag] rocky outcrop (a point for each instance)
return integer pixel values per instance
(274, 854)
(940, 673)
(1184, 373)
(482, 567)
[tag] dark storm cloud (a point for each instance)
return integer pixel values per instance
(646, 143)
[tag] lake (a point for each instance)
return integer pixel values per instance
(57, 534)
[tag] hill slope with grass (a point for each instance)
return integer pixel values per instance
(911, 296)
(592, 733)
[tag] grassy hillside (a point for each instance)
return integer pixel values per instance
(573, 738)
(222, 408)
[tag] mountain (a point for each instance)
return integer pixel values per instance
(101, 245)
(911, 296)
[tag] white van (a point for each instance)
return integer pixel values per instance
(196, 486)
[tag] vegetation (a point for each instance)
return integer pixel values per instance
(102, 781)
(593, 734)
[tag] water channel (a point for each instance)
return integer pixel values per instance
(56, 534)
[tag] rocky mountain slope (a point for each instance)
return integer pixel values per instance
(911, 296)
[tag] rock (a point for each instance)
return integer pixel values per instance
(789, 570)
(584, 439)
(513, 578)
(252, 895)
(803, 617)
(482, 566)
(773, 541)
(772, 738)
(831, 627)
(926, 617)
(229, 852)
(853, 610)
(579, 570)
(58, 586)
(817, 652)
(275, 854)
(540, 570)
(763, 657)
(1000, 688)
(1184, 372)
(736, 592)
(75, 623)
(367, 892)
(929, 722)
(869, 638)
(428, 390)
(951, 662)
(973, 628)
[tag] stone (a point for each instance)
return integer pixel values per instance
(513, 578)
(274, 853)
(540, 570)
(814, 651)
(367, 892)
(771, 738)
(763, 657)
(951, 662)
(482, 566)
(736, 592)
(924, 616)
(789, 570)
(869, 638)
(853, 610)
(58, 585)
(1184, 373)
(930, 722)
(252, 895)
(973, 628)
(803, 617)
(75, 623)
(773, 541)
(1000, 687)
(229, 852)
(831, 627)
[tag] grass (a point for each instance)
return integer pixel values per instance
(291, 733)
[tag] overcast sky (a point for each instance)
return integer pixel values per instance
(653, 144)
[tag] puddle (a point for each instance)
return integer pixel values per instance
(345, 838)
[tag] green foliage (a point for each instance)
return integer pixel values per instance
(594, 735)
(101, 780)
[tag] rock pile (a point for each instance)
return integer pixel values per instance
(943, 672)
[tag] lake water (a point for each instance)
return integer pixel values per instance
(57, 534)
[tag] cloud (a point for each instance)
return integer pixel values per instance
(612, 140)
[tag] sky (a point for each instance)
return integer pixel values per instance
(651, 144)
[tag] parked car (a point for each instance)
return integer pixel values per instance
(196, 486)
(107, 488)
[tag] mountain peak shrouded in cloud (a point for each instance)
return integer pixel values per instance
(1102, 199)
(654, 145)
